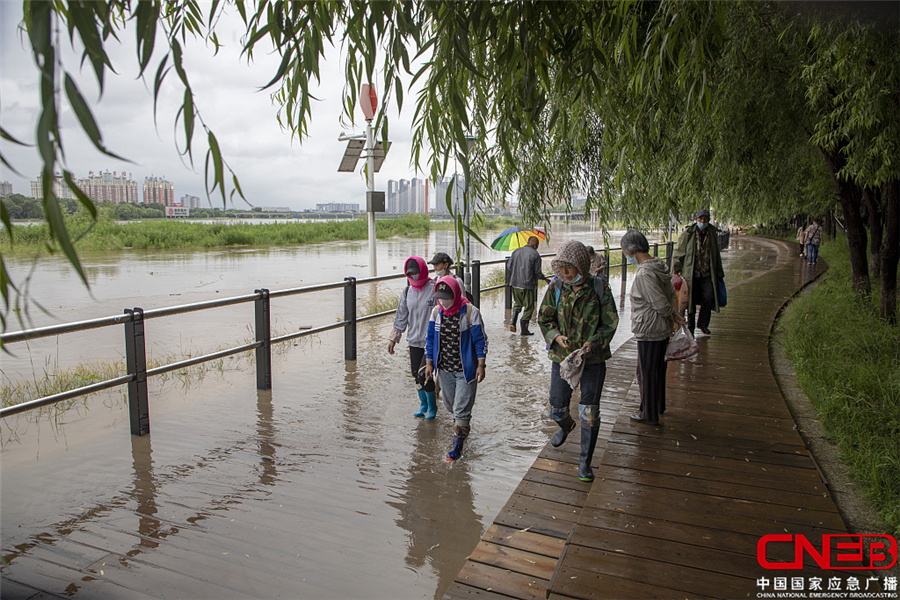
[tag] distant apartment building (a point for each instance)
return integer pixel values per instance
(59, 187)
(110, 187)
(337, 207)
(189, 201)
(280, 209)
(457, 195)
(5, 189)
(391, 201)
(158, 190)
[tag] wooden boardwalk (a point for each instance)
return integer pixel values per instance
(676, 511)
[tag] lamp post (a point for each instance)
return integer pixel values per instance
(375, 154)
(470, 143)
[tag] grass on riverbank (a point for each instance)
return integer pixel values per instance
(110, 235)
(848, 362)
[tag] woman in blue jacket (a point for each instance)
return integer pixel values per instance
(457, 346)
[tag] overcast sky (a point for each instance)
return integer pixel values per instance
(273, 169)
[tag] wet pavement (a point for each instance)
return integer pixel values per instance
(323, 487)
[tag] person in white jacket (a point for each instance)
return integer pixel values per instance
(653, 302)
(413, 314)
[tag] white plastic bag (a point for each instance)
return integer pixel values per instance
(682, 345)
(572, 367)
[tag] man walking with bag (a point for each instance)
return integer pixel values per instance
(524, 271)
(698, 260)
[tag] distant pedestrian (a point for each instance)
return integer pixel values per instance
(524, 272)
(578, 313)
(598, 262)
(653, 314)
(413, 312)
(801, 239)
(813, 236)
(456, 347)
(699, 262)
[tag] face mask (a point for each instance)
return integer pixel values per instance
(631, 260)
(701, 226)
(440, 273)
(576, 280)
(445, 303)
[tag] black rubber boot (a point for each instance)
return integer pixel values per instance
(565, 427)
(512, 322)
(588, 443)
(525, 328)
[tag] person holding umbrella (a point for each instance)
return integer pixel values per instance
(524, 272)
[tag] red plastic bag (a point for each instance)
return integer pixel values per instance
(682, 345)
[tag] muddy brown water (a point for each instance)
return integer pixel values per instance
(323, 487)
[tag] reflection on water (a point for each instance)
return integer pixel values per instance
(323, 487)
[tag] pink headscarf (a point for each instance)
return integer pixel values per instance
(459, 298)
(420, 281)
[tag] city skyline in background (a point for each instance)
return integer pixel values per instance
(273, 169)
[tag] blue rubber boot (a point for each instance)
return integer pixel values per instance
(423, 404)
(459, 437)
(431, 412)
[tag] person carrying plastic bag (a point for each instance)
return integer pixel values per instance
(578, 313)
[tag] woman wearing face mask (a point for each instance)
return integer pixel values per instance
(416, 304)
(578, 312)
(653, 302)
(456, 346)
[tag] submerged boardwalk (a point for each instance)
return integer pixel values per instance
(675, 511)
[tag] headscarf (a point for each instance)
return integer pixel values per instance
(574, 253)
(420, 281)
(459, 299)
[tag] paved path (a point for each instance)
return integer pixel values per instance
(675, 511)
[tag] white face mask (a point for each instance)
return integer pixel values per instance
(438, 273)
(445, 303)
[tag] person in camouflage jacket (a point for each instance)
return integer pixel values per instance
(578, 313)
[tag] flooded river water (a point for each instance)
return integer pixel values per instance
(323, 487)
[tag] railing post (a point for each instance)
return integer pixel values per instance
(669, 251)
(656, 250)
(624, 273)
(264, 335)
(507, 290)
(350, 317)
(476, 282)
(606, 267)
(136, 363)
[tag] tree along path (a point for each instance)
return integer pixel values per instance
(677, 510)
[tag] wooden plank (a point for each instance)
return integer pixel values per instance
(738, 491)
(514, 560)
(719, 512)
(656, 573)
(502, 581)
(586, 585)
(524, 540)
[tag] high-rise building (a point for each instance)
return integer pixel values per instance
(158, 190)
(110, 187)
(190, 201)
(337, 207)
(457, 199)
(59, 187)
(5, 189)
(417, 195)
(392, 205)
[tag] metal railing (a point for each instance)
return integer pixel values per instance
(134, 320)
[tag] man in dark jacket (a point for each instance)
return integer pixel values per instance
(524, 271)
(698, 261)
